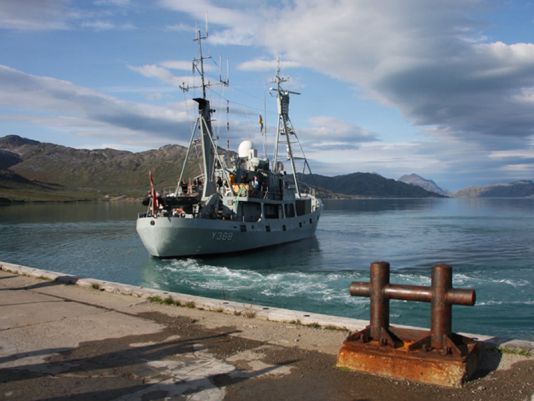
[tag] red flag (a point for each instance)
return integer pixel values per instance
(153, 195)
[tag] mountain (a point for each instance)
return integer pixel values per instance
(365, 185)
(32, 170)
(515, 189)
(428, 185)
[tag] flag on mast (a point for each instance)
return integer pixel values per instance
(153, 195)
(260, 121)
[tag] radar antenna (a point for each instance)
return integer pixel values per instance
(285, 128)
(198, 66)
(203, 123)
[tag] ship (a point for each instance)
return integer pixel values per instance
(239, 201)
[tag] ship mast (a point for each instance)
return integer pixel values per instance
(209, 149)
(285, 128)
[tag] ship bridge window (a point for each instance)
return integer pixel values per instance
(250, 211)
(290, 210)
(271, 211)
(303, 206)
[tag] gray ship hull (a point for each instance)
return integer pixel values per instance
(166, 237)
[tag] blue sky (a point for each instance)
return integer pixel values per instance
(442, 89)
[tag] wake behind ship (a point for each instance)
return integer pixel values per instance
(235, 204)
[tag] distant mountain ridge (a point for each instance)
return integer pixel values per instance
(519, 189)
(365, 185)
(33, 170)
(426, 184)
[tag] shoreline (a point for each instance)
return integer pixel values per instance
(70, 338)
(268, 313)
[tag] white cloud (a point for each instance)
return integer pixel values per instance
(262, 64)
(164, 75)
(58, 104)
(329, 133)
(429, 60)
(98, 25)
(180, 28)
(49, 15)
(117, 3)
(516, 153)
(177, 65)
(246, 15)
(426, 59)
(34, 15)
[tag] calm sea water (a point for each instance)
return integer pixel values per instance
(489, 243)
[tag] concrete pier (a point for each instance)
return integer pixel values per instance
(68, 338)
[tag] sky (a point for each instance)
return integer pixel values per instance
(443, 89)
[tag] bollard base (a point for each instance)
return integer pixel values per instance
(401, 362)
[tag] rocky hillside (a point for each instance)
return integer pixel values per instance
(515, 189)
(366, 185)
(426, 184)
(31, 170)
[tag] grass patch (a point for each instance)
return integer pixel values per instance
(334, 328)
(315, 325)
(249, 314)
(189, 304)
(155, 299)
(516, 351)
(95, 286)
(43, 278)
(164, 301)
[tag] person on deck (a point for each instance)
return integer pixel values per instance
(255, 183)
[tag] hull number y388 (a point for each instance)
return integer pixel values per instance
(222, 235)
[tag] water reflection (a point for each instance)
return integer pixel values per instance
(68, 212)
(379, 205)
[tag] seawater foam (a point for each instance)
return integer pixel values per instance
(197, 277)
(493, 302)
(513, 283)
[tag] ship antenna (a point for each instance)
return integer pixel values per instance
(203, 124)
(284, 124)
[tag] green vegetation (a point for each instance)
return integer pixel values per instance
(316, 325)
(95, 286)
(516, 351)
(334, 328)
(169, 301)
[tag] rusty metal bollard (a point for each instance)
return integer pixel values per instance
(402, 352)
